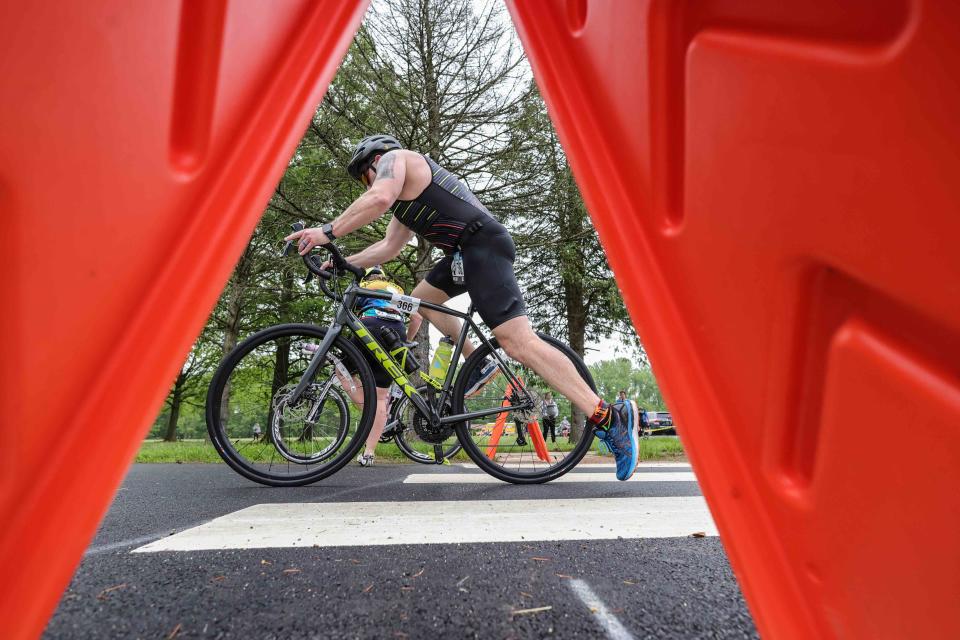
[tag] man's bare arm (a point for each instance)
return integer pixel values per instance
(391, 172)
(396, 238)
(369, 256)
(386, 249)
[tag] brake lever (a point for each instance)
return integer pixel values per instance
(315, 269)
(288, 248)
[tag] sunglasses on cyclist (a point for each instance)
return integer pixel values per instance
(363, 177)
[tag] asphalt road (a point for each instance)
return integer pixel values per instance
(616, 587)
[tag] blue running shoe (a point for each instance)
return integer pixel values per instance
(621, 438)
(481, 376)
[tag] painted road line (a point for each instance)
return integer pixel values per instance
(590, 466)
(483, 478)
(345, 524)
(122, 544)
(615, 630)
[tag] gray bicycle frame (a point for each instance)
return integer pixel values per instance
(346, 317)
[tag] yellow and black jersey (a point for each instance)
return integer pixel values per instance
(378, 283)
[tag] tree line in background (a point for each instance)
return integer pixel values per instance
(448, 79)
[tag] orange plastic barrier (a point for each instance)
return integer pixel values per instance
(779, 179)
(498, 427)
(533, 429)
(536, 437)
(781, 182)
(141, 141)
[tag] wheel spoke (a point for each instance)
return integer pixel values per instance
(537, 458)
(266, 437)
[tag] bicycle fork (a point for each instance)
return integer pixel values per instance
(319, 356)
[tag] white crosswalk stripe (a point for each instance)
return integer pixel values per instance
(338, 524)
(483, 478)
(595, 466)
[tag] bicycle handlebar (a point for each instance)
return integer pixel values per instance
(339, 262)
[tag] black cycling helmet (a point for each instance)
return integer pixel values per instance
(367, 149)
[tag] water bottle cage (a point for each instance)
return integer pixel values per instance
(405, 358)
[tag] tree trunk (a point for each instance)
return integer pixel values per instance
(576, 329)
(175, 402)
(281, 373)
(422, 351)
(573, 274)
(230, 335)
(231, 329)
(281, 368)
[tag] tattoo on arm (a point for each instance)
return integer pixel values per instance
(385, 166)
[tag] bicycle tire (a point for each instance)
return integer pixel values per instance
(222, 440)
(473, 450)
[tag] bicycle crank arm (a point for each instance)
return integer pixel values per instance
(426, 410)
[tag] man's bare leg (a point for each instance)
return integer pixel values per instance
(379, 420)
(355, 391)
(352, 387)
(447, 325)
(522, 344)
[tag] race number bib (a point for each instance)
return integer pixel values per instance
(405, 304)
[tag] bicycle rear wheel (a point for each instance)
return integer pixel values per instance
(510, 445)
(301, 442)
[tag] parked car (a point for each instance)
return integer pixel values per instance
(660, 423)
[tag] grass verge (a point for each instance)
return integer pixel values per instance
(200, 451)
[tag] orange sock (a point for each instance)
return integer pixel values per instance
(601, 415)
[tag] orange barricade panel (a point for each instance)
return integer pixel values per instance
(780, 180)
(499, 425)
(497, 433)
(141, 142)
(536, 437)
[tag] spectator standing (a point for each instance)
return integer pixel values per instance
(644, 421)
(549, 412)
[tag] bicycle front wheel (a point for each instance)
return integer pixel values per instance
(511, 445)
(262, 434)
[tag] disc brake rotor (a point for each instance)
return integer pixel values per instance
(282, 410)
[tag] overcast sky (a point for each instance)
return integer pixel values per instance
(603, 350)
(606, 349)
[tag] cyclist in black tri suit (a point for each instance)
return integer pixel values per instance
(377, 315)
(427, 199)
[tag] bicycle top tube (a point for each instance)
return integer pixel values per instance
(401, 301)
